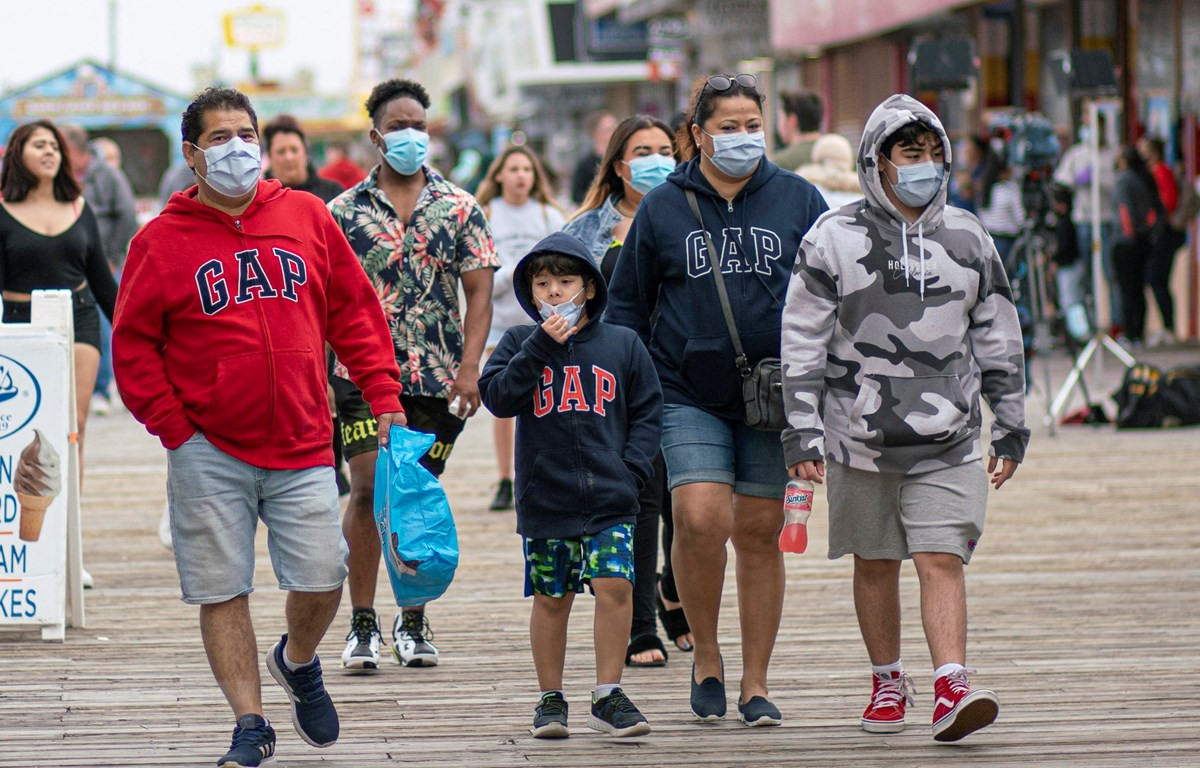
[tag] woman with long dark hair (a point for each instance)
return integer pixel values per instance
(639, 156)
(1139, 217)
(726, 478)
(49, 239)
(519, 203)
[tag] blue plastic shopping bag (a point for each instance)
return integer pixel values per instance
(420, 544)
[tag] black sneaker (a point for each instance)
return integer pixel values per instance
(253, 744)
(616, 716)
(313, 714)
(362, 643)
(550, 717)
(504, 496)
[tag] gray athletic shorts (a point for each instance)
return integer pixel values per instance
(888, 516)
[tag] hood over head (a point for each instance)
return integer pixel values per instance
(893, 114)
(571, 247)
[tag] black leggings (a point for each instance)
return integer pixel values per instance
(1130, 258)
(653, 502)
(1158, 273)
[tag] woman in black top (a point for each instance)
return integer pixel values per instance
(49, 239)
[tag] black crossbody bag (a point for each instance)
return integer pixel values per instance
(762, 383)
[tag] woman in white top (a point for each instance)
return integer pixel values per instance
(520, 209)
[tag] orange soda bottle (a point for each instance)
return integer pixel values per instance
(797, 506)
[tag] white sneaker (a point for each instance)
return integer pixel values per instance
(164, 529)
(411, 644)
(86, 576)
(362, 643)
(1162, 338)
(100, 405)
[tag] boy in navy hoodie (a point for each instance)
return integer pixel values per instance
(589, 416)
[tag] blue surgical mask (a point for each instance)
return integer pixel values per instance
(568, 309)
(737, 154)
(233, 167)
(407, 150)
(917, 184)
(648, 171)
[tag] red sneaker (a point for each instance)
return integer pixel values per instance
(957, 710)
(890, 693)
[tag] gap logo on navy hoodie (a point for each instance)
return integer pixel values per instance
(589, 412)
(665, 269)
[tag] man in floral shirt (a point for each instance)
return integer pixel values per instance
(417, 236)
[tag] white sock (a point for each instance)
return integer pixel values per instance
(603, 690)
(294, 665)
(895, 666)
(947, 669)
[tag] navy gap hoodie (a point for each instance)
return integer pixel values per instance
(589, 412)
(665, 268)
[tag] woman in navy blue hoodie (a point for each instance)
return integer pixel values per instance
(726, 479)
(589, 418)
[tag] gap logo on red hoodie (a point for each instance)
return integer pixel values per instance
(252, 281)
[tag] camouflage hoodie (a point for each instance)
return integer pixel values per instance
(892, 330)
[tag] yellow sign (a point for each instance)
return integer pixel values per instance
(254, 28)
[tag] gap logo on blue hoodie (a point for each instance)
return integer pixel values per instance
(663, 287)
(589, 412)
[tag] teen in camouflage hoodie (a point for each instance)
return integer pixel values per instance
(899, 327)
(898, 317)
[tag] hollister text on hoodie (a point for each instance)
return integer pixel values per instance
(222, 323)
(665, 269)
(893, 329)
(589, 412)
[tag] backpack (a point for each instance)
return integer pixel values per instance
(1150, 398)
(416, 530)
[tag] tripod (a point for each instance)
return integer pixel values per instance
(1100, 340)
(1029, 247)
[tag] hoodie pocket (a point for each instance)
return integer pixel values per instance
(709, 374)
(301, 400)
(551, 486)
(608, 485)
(909, 410)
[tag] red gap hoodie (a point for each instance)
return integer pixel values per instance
(222, 322)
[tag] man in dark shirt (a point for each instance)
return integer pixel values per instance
(601, 125)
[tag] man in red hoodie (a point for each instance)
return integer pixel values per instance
(228, 299)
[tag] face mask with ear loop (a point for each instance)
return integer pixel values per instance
(233, 167)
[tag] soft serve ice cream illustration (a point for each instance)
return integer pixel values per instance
(37, 481)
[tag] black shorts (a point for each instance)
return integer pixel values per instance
(83, 306)
(425, 414)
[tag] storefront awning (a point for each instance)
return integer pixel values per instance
(808, 26)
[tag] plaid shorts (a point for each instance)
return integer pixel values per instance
(555, 567)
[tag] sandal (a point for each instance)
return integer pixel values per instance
(674, 623)
(641, 644)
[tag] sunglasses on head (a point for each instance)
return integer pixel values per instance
(721, 83)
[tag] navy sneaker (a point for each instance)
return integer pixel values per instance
(708, 697)
(253, 744)
(616, 715)
(759, 711)
(313, 713)
(550, 717)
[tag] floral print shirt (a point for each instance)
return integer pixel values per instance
(415, 267)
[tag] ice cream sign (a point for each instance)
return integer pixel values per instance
(34, 442)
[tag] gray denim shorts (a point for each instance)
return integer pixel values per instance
(888, 516)
(215, 503)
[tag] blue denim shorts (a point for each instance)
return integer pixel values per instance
(555, 567)
(699, 447)
(215, 503)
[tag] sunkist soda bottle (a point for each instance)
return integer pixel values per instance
(797, 506)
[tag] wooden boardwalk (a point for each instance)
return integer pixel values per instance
(1083, 609)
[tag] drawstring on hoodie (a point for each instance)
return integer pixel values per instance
(920, 248)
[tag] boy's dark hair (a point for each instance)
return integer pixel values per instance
(558, 265)
(807, 108)
(917, 134)
(390, 90)
(211, 99)
(282, 124)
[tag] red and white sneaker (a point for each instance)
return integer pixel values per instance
(959, 711)
(890, 693)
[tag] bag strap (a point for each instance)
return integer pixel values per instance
(715, 260)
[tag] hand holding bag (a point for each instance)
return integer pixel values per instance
(762, 383)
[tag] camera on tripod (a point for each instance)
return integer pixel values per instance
(1031, 149)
